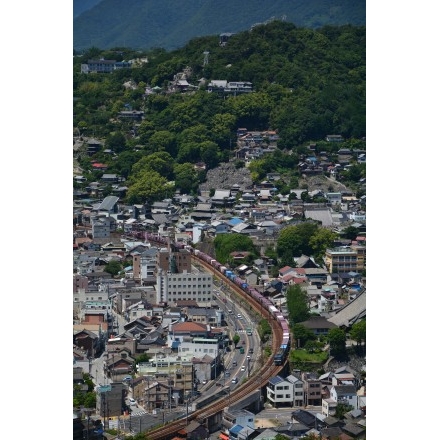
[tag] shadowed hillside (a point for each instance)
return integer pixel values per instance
(145, 24)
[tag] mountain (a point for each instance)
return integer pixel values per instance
(79, 6)
(169, 24)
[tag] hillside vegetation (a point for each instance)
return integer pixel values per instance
(307, 84)
(169, 24)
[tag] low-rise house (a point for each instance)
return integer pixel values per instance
(319, 325)
(118, 366)
(194, 431)
(316, 276)
(334, 138)
(306, 418)
(88, 341)
(345, 394)
(280, 391)
(329, 407)
(312, 389)
(222, 197)
(119, 344)
(204, 315)
(285, 270)
(333, 433)
(306, 262)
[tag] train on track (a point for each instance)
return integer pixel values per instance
(266, 303)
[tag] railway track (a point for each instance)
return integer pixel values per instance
(255, 382)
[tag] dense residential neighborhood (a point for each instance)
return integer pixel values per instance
(122, 316)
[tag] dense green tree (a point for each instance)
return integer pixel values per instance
(149, 186)
(210, 154)
(313, 346)
(236, 339)
(342, 409)
(143, 357)
(350, 232)
(124, 163)
(186, 177)
(303, 335)
(293, 241)
(297, 304)
(252, 110)
(113, 267)
(336, 339)
(222, 126)
(358, 332)
(224, 244)
(320, 241)
(264, 330)
(354, 173)
(160, 162)
(162, 141)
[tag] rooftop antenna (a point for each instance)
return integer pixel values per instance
(205, 58)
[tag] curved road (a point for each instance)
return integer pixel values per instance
(254, 382)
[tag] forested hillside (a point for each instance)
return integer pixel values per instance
(307, 84)
(169, 24)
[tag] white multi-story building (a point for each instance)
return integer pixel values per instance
(144, 264)
(175, 287)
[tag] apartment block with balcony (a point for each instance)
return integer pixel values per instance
(345, 259)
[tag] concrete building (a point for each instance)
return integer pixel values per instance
(110, 400)
(342, 259)
(174, 287)
(176, 262)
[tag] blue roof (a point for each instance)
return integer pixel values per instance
(275, 380)
(235, 221)
(236, 429)
(175, 344)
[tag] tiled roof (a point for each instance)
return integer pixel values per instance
(188, 326)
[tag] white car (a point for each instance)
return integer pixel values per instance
(243, 368)
(239, 316)
(234, 380)
(132, 401)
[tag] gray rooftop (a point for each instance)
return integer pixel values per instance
(108, 203)
(350, 312)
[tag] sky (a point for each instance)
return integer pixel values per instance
(402, 90)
